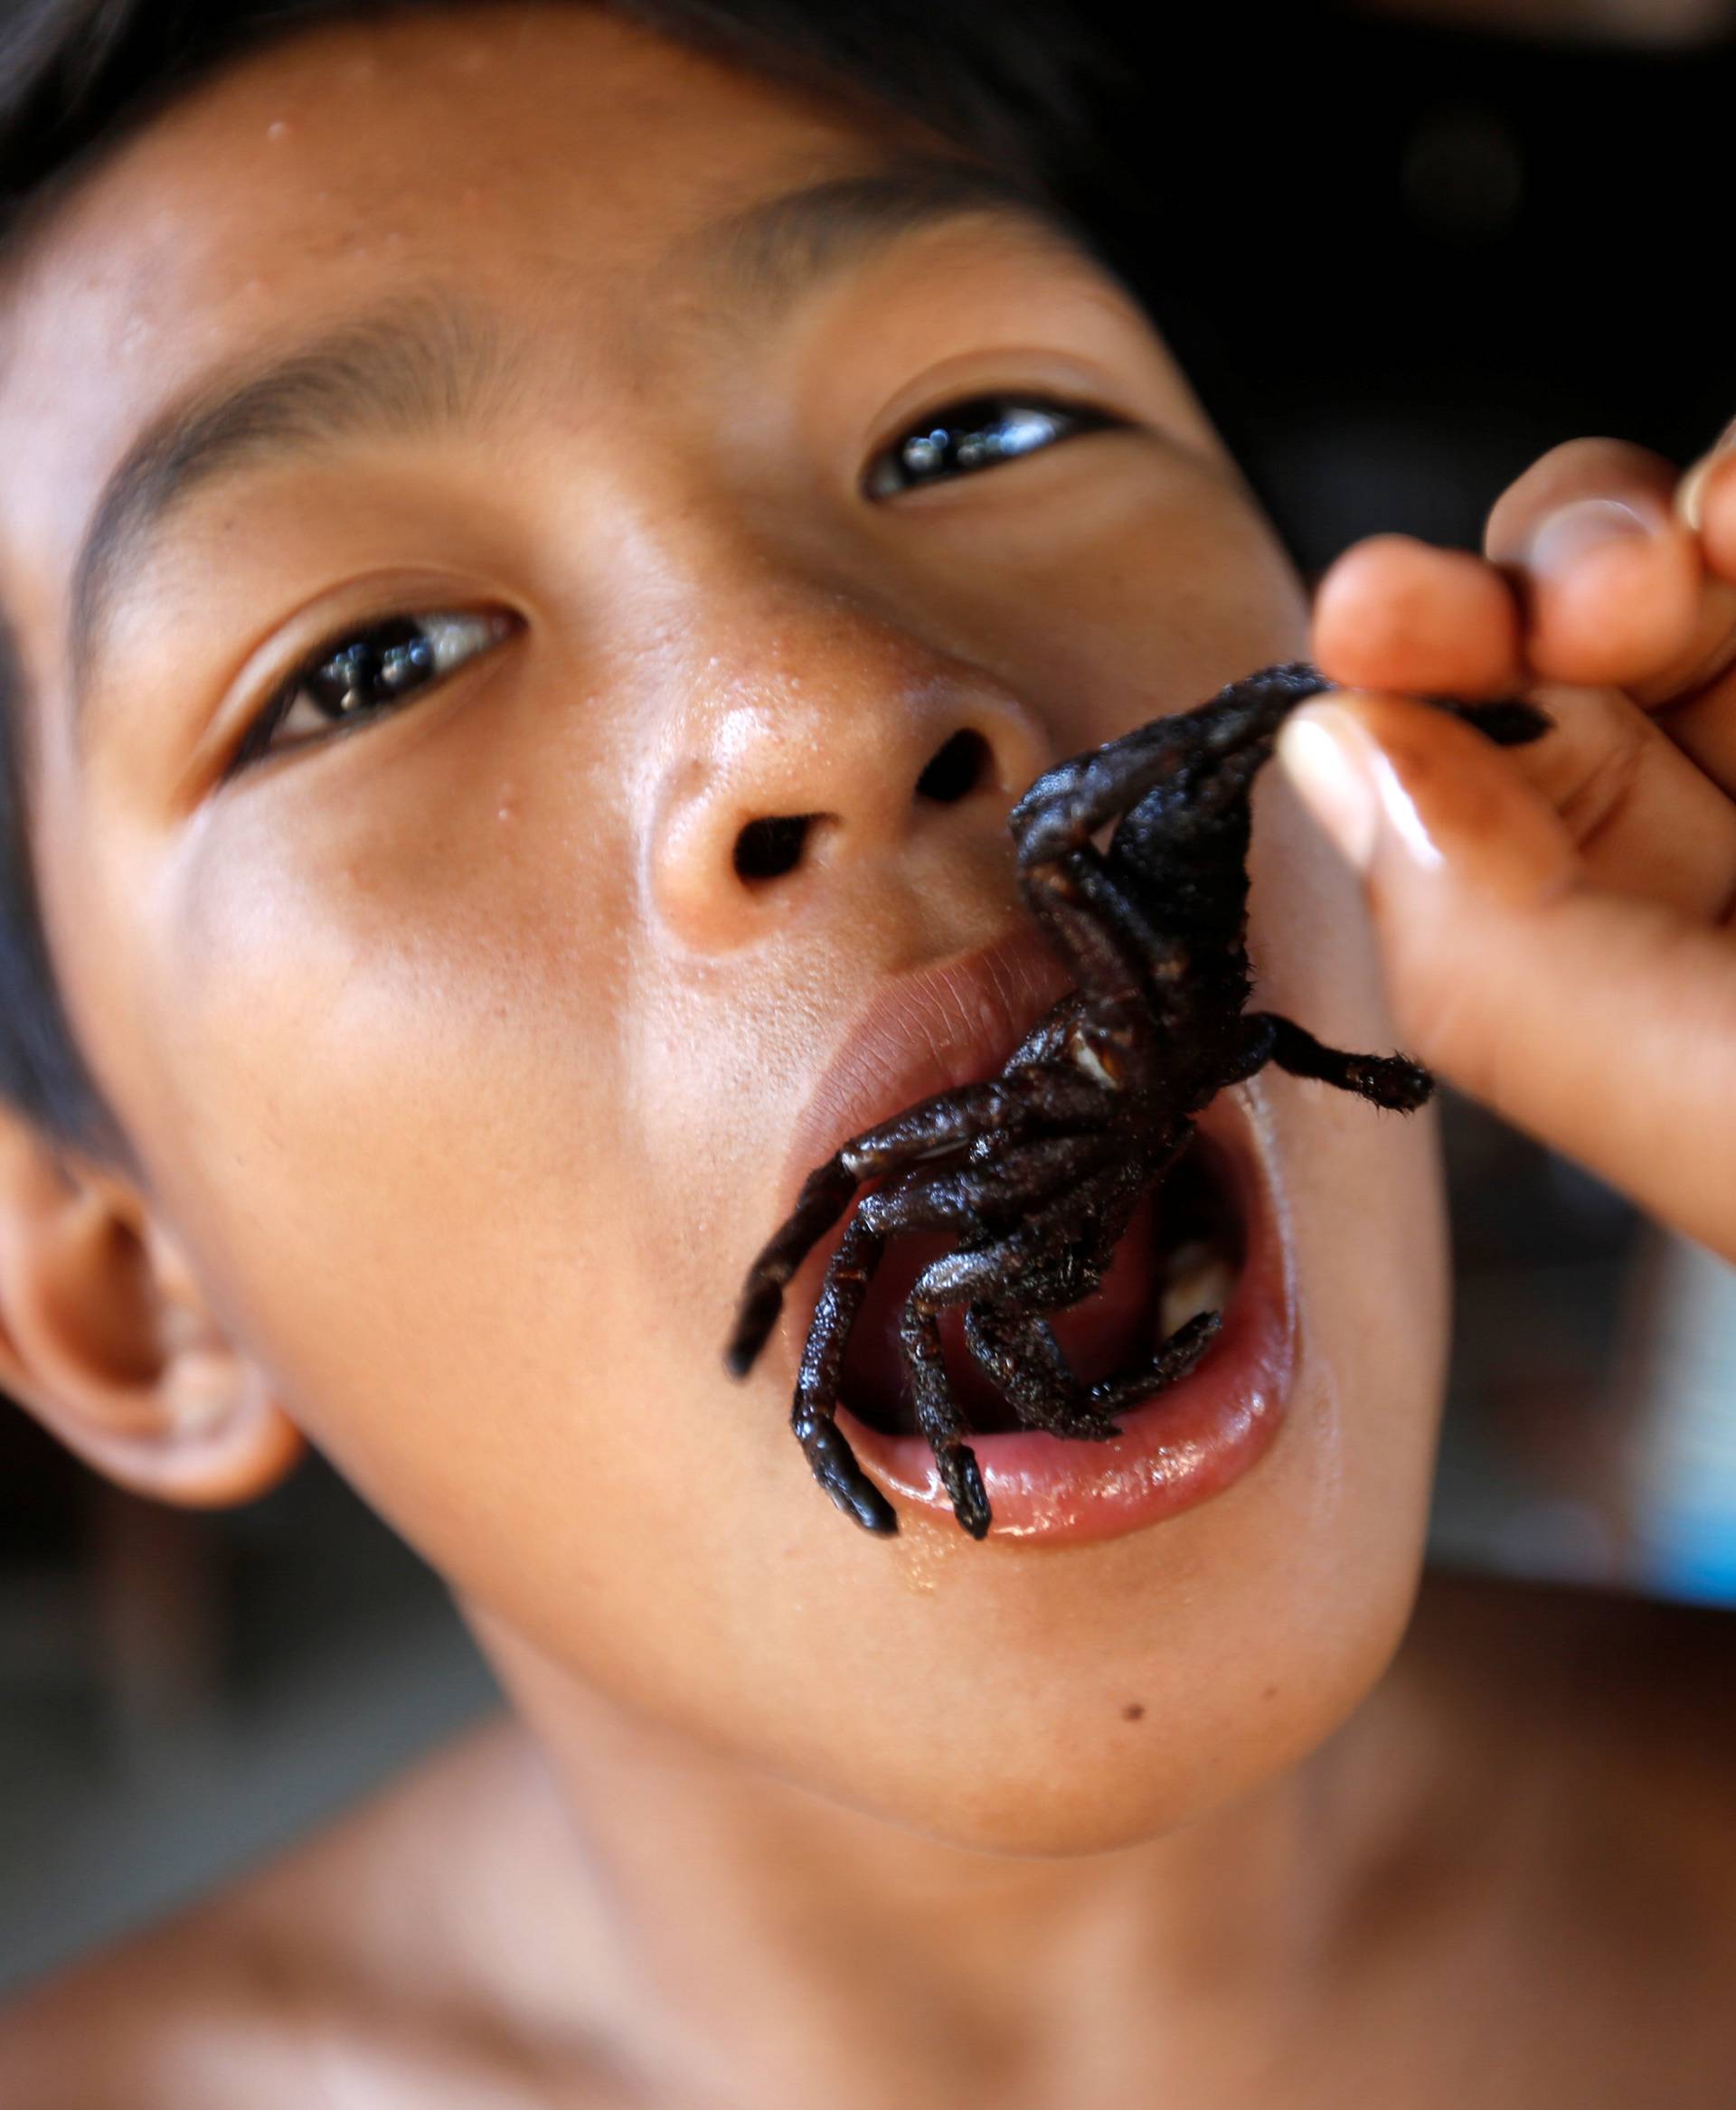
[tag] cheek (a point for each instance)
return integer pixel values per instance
(1368, 1207)
(1106, 601)
(1310, 938)
(395, 1114)
(413, 1110)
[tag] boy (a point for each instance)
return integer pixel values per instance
(504, 509)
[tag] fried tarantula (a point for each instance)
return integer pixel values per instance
(1037, 1172)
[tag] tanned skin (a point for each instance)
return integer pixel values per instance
(463, 1066)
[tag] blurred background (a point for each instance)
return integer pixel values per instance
(1400, 252)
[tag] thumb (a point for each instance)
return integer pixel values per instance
(1603, 1024)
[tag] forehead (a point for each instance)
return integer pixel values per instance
(538, 156)
(316, 159)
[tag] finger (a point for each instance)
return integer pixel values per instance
(1645, 819)
(1610, 579)
(1704, 726)
(1603, 1025)
(1705, 500)
(1395, 613)
(1599, 538)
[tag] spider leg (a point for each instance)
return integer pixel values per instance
(1135, 973)
(1112, 946)
(1389, 1080)
(1015, 1344)
(938, 1419)
(1173, 1358)
(919, 1200)
(811, 1420)
(1056, 1257)
(985, 1194)
(1058, 1252)
(1143, 979)
(1018, 1351)
(957, 1278)
(945, 1122)
(1104, 1204)
(1067, 805)
(1509, 724)
(1016, 1348)
(1179, 856)
(1253, 1050)
(1044, 1256)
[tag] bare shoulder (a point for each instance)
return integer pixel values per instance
(293, 1985)
(131, 2024)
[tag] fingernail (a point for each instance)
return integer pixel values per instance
(1563, 537)
(1330, 763)
(1401, 788)
(1408, 789)
(1690, 492)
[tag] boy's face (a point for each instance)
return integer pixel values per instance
(465, 1064)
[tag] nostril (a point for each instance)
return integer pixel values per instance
(766, 850)
(957, 768)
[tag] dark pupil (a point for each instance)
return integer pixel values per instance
(378, 666)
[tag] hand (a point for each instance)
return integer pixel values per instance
(1559, 920)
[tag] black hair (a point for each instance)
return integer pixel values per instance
(1010, 83)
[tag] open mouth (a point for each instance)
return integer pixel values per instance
(1183, 1253)
(1211, 1235)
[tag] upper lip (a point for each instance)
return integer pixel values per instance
(948, 1022)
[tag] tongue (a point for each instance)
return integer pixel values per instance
(1100, 1335)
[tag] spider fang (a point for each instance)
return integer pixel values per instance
(1090, 1060)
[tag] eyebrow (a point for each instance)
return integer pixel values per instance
(431, 360)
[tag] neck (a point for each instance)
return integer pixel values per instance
(721, 1927)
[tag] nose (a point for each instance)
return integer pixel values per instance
(824, 740)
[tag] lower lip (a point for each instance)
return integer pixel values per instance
(1180, 1448)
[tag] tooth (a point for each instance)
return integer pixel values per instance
(1197, 1277)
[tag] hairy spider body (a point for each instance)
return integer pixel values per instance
(1035, 1174)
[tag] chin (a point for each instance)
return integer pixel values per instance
(1092, 1697)
(1069, 1694)
(1143, 1742)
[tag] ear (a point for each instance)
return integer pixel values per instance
(105, 1338)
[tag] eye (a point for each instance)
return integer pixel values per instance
(975, 434)
(363, 672)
